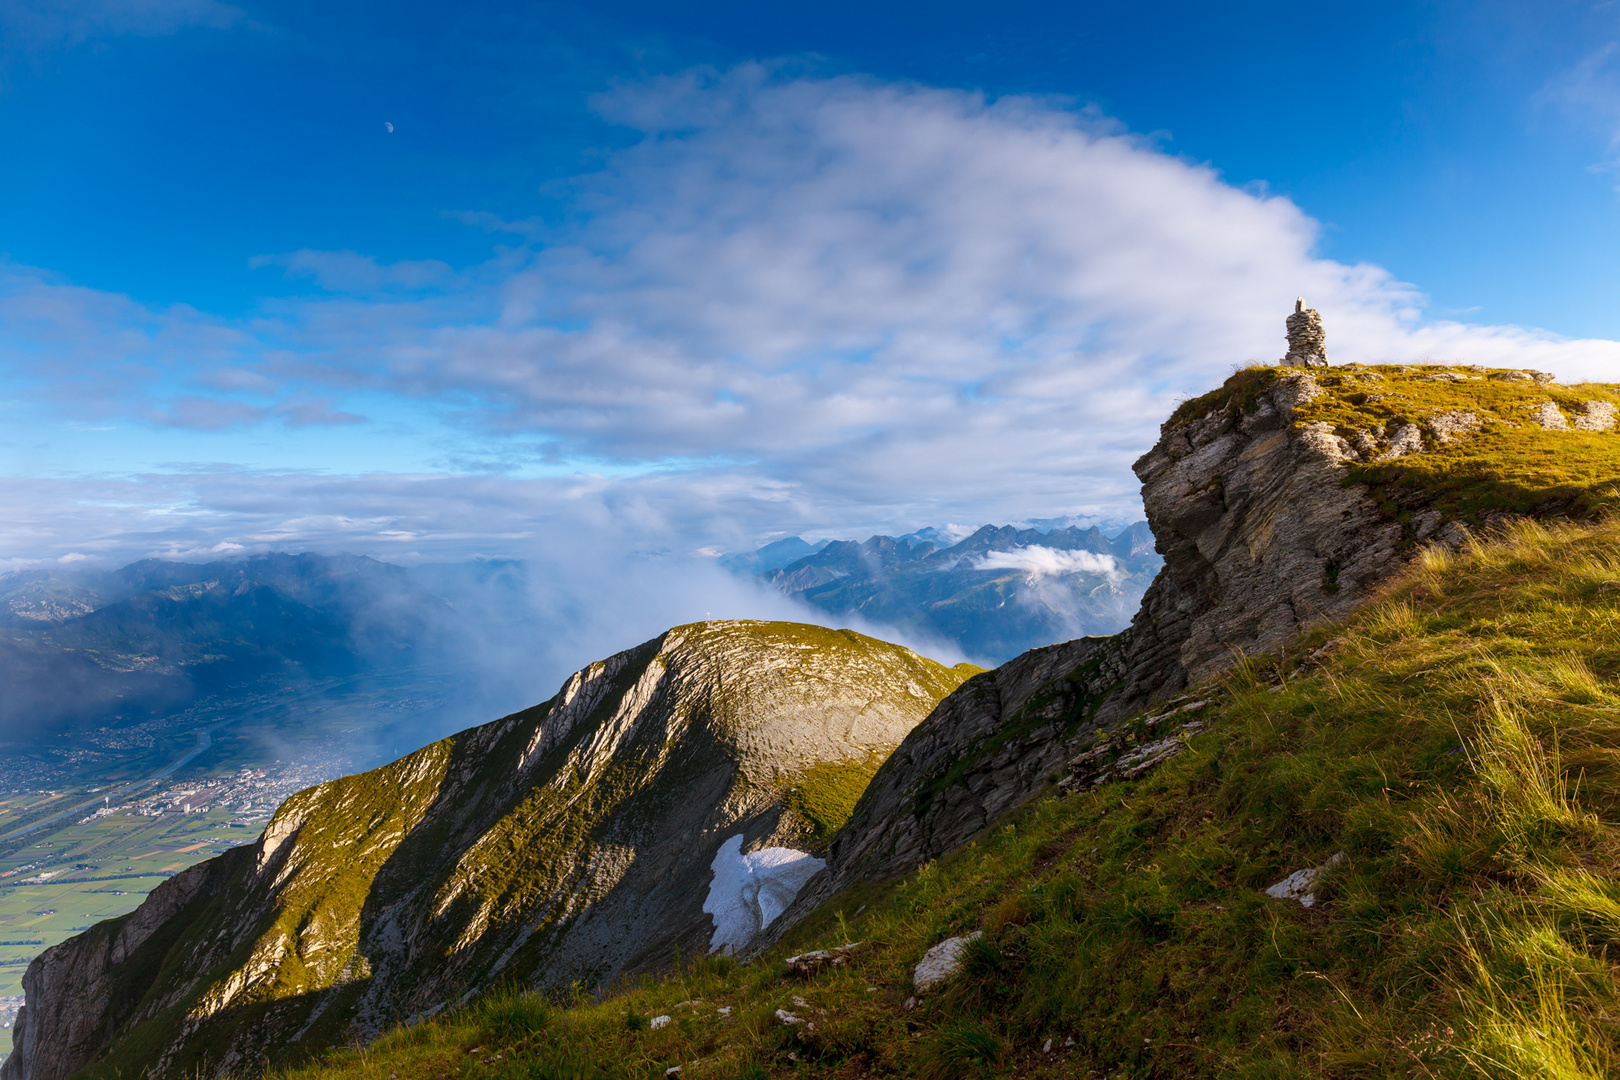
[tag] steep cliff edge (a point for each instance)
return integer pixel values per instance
(1282, 499)
(1279, 501)
(571, 842)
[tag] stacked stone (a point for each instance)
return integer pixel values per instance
(1307, 341)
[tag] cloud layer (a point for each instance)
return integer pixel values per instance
(1042, 562)
(796, 304)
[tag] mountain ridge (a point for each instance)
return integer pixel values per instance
(535, 846)
(149, 637)
(1283, 501)
(995, 593)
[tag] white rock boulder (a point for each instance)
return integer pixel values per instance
(1300, 884)
(942, 961)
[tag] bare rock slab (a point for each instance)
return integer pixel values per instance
(1301, 884)
(942, 962)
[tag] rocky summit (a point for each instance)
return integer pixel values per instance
(1280, 501)
(567, 844)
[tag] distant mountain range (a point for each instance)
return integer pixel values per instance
(85, 649)
(82, 648)
(996, 594)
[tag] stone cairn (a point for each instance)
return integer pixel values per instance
(1307, 342)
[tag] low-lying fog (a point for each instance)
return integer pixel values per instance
(354, 661)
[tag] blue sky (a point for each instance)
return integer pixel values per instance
(686, 277)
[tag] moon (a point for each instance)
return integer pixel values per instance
(389, 126)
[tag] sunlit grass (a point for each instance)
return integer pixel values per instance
(1456, 740)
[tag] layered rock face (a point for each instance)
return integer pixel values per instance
(1263, 534)
(1284, 498)
(569, 843)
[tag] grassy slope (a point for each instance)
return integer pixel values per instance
(1509, 465)
(1457, 740)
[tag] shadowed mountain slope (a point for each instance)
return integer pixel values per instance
(92, 648)
(568, 843)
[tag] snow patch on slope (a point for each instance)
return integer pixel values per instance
(748, 891)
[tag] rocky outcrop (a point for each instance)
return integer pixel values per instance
(80, 994)
(1262, 535)
(568, 843)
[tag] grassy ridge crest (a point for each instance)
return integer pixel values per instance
(1502, 462)
(1458, 741)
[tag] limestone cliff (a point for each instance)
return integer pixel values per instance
(1278, 501)
(569, 843)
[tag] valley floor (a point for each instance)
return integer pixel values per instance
(97, 870)
(1449, 755)
(179, 789)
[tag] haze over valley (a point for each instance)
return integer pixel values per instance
(729, 541)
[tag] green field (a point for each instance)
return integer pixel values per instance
(105, 868)
(295, 735)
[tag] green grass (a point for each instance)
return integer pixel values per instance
(1458, 740)
(825, 795)
(1510, 465)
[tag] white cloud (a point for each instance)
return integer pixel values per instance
(351, 272)
(864, 288)
(826, 305)
(1591, 91)
(89, 354)
(94, 354)
(1039, 562)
